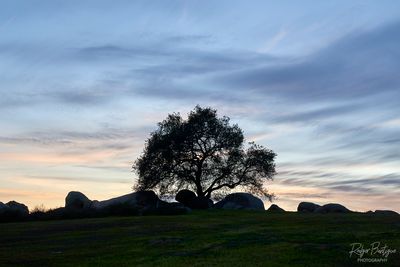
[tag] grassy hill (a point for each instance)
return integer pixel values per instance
(202, 238)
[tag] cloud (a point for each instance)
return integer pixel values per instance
(83, 97)
(167, 46)
(189, 39)
(392, 179)
(361, 64)
(74, 148)
(68, 137)
(114, 52)
(82, 179)
(301, 195)
(340, 181)
(7, 193)
(95, 75)
(274, 41)
(372, 142)
(318, 114)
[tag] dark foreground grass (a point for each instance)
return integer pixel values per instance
(202, 238)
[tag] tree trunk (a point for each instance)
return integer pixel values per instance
(199, 191)
(199, 188)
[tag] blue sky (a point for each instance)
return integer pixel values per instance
(82, 84)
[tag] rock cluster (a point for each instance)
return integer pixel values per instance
(147, 202)
(14, 208)
(327, 208)
(232, 201)
(142, 202)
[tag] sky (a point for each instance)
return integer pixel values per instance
(83, 83)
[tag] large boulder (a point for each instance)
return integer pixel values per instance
(307, 207)
(13, 211)
(140, 199)
(146, 199)
(240, 201)
(18, 208)
(332, 208)
(185, 197)
(128, 199)
(275, 208)
(77, 200)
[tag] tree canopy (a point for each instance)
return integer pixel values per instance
(204, 153)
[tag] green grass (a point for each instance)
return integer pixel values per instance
(202, 238)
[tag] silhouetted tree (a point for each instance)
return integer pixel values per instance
(203, 153)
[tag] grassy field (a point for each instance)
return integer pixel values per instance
(202, 238)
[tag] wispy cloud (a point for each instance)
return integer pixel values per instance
(358, 65)
(273, 42)
(341, 181)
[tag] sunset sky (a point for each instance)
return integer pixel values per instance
(83, 83)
